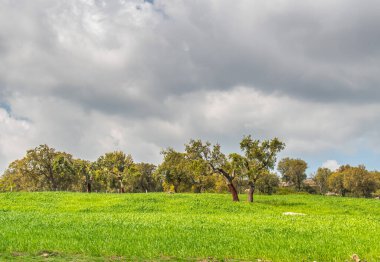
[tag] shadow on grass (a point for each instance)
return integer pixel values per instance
(277, 203)
(57, 256)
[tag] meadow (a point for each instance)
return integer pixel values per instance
(57, 226)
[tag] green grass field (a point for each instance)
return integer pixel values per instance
(159, 226)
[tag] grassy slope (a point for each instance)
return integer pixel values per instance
(158, 226)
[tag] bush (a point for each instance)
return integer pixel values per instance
(285, 191)
(376, 194)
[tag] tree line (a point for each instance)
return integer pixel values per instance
(348, 180)
(201, 167)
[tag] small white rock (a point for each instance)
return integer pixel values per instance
(293, 214)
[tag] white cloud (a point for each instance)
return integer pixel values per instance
(331, 164)
(15, 135)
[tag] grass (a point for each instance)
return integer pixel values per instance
(158, 226)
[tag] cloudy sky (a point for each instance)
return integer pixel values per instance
(92, 76)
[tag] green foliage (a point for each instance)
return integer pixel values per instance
(268, 183)
(321, 179)
(14, 179)
(260, 156)
(336, 183)
(202, 167)
(42, 168)
(286, 191)
(113, 170)
(187, 172)
(355, 181)
(146, 181)
(376, 194)
(208, 155)
(174, 171)
(238, 170)
(293, 171)
(82, 170)
(359, 181)
(214, 162)
(186, 227)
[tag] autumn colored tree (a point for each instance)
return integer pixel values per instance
(321, 179)
(359, 181)
(336, 183)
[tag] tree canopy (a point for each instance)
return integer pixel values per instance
(200, 167)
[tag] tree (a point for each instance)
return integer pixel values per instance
(356, 181)
(293, 170)
(259, 158)
(113, 170)
(198, 174)
(43, 168)
(267, 183)
(359, 181)
(145, 179)
(83, 170)
(216, 161)
(335, 183)
(376, 177)
(174, 171)
(321, 179)
(52, 170)
(16, 179)
(40, 163)
(63, 168)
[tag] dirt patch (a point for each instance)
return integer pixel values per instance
(46, 253)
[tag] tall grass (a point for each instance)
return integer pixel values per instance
(159, 226)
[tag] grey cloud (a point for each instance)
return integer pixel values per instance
(200, 50)
(154, 71)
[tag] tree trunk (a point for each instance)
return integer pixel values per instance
(251, 191)
(121, 185)
(89, 183)
(234, 193)
(54, 187)
(228, 179)
(53, 183)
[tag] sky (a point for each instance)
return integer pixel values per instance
(92, 76)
